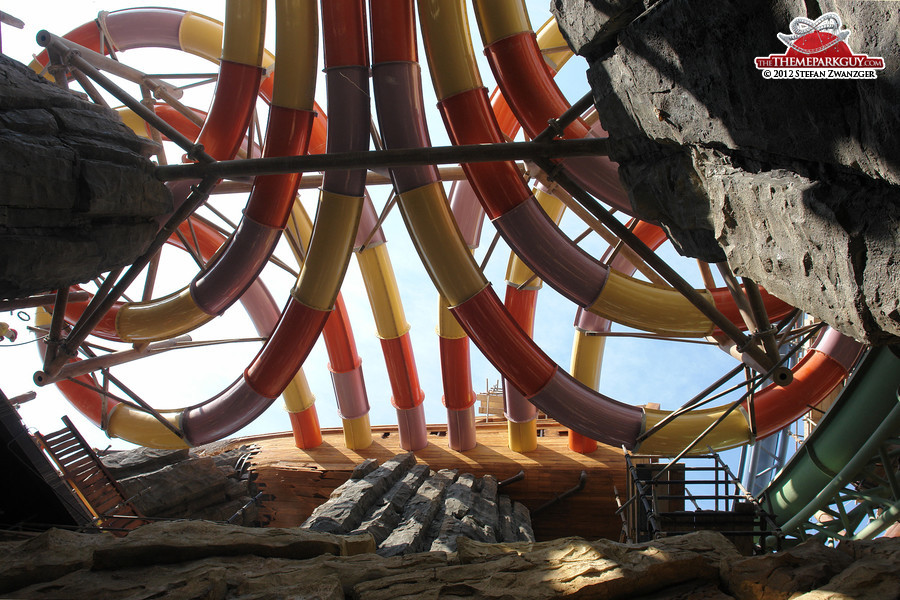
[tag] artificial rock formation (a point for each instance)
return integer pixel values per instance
(200, 483)
(407, 508)
(79, 196)
(205, 560)
(796, 183)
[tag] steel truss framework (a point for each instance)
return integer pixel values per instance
(863, 508)
(870, 497)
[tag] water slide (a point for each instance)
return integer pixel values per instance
(264, 217)
(864, 417)
(595, 287)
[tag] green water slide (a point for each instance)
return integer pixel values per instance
(846, 468)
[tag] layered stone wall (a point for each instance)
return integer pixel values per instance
(187, 484)
(204, 560)
(796, 183)
(79, 197)
(409, 508)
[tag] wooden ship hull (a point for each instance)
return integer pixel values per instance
(295, 481)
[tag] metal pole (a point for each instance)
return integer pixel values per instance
(82, 329)
(71, 55)
(730, 409)
(766, 331)
(556, 127)
(378, 159)
(41, 300)
(690, 403)
(89, 365)
(56, 323)
(668, 273)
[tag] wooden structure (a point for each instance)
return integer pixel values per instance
(90, 479)
(295, 481)
(37, 498)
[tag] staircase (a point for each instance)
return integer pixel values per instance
(660, 492)
(89, 478)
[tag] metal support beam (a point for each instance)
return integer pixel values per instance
(71, 53)
(41, 300)
(658, 264)
(82, 329)
(379, 159)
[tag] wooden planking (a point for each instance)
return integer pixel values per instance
(87, 475)
(299, 480)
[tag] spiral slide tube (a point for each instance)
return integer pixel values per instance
(459, 398)
(350, 390)
(393, 330)
(291, 117)
(221, 135)
(453, 270)
(456, 377)
(340, 206)
(515, 212)
(590, 342)
(456, 369)
(398, 96)
(234, 268)
(503, 342)
(521, 301)
(313, 295)
(586, 344)
(230, 113)
(299, 401)
(379, 279)
(263, 312)
(345, 364)
(527, 83)
(587, 349)
(864, 416)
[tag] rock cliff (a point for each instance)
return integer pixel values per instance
(795, 182)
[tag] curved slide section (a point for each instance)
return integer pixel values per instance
(202, 36)
(345, 364)
(511, 206)
(242, 63)
(472, 301)
(288, 132)
(393, 331)
(526, 81)
(339, 210)
(314, 294)
(864, 416)
(522, 287)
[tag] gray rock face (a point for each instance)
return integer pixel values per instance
(175, 487)
(141, 460)
(204, 560)
(831, 247)
(180, 484)
(410, 535)
(590, 27)
(79, 195)
(422, 510)
(351, 501)
(795, 183)
(382, 518)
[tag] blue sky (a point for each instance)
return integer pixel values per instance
(634, 371)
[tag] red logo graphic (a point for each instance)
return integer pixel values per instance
(818, 50)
